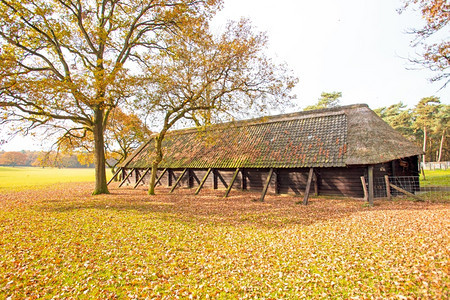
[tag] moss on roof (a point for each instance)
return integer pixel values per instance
(337, 137)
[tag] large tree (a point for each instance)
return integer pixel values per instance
(425, 122)
(432, 38)
(206, 77)
(70, 62)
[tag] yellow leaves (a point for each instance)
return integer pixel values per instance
(63, 243)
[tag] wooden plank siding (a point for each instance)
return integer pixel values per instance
(341, 181)
(330, 181)
(292, 181)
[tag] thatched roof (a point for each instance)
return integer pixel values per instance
(336, 137)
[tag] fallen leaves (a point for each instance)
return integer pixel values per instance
(63, 243)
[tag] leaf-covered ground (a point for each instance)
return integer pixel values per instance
(63, 243)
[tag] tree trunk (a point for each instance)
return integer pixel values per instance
(424, 144)
(99, 154)
(441, 146)
(424, 151)
(155, 164)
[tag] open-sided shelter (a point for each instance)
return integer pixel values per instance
(324, 151)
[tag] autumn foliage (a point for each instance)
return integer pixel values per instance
(63, 243)
(432, 38)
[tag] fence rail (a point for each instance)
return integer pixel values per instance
(410, 184)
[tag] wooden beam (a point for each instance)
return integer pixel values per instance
(316, 185)
(366, 193)
(371, 191)
(232, 181)
(189, 178)
(142, 177)
(277, 181)
(244, 179)
(406, 192)
(308, 186)
(203, 181)
(115, 175)
(266, 185)
(126, 177)
(388, 187)
(160, 176)
(169, 177)
(178, 180)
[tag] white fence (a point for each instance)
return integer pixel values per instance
(444, 165)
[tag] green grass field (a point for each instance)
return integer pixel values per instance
(19, 178)
(435, 178)
(59, 242)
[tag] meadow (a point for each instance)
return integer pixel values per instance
(435, 178)
(22, 178)
(60, 242)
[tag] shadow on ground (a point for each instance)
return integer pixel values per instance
(209, 206)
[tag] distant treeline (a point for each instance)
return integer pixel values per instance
(427, 124)
(43, 159)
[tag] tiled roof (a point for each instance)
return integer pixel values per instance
(319, 142)
(322, 138)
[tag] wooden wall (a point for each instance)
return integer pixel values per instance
(330, 181)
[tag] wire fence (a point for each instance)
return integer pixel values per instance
(409, 186)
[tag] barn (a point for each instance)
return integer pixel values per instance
(335, 151)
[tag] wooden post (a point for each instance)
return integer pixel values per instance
(366, 193)
(277, 181)
(266, 186)
(142, 178)
(178, 180)
(189, 178)
(203, 181)
(126, 177)
(371, 194)
(308, 186)
(232, 181)
(169, 179)
(215, 185)
(244, 179)
(388, 187)
(114, 176)
(316, 185)
(406, 192)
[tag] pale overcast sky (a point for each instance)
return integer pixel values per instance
(357, 47)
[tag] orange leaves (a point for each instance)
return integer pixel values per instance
(437, 15)
(63, 243)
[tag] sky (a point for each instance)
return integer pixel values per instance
(357, 47)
